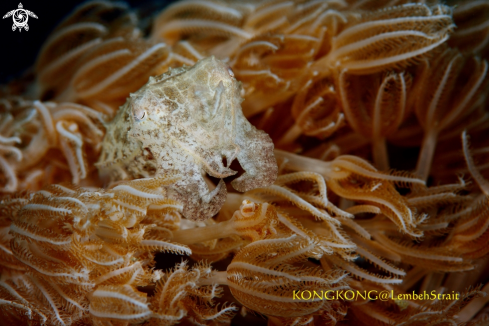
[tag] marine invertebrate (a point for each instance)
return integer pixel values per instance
(83, 30)
(83, 253)
(336, 85)
(184, 123)
(355, 179)
(470, 35)
(434, 115)
(356, 48)
(263, 272)
(97, 56)
(381, 114)
(272, 261)
(32, 129)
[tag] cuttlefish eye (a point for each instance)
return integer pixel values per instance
(139, 114)
(230, 71)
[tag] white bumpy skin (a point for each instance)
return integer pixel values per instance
(183, 123)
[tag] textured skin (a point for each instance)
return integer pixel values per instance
(183, 123)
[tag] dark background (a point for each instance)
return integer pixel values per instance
(18, 50)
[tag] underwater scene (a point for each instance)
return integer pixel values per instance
(227, 162)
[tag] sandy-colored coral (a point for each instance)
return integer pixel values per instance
(48, 142)
(83, 253)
